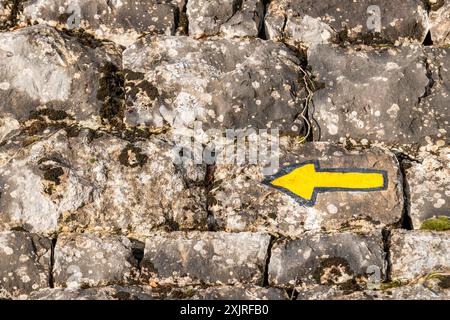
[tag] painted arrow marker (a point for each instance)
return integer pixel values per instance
(304, 181)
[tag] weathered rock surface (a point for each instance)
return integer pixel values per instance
(88, 260)
(312, 22)
(430, 289)
(343, 259)
(390, 95)
(120, 178)
(5, 12)
(113, 292)
(414, 254)
(8, 127)
(120, 21)
(24, 262)
(241, 202)
(219, 83)
(116, 292)
(440, 22)
(74, 180)
(229, 17)
(439, 290)
(43, 70)
(240, 293)
(427, 186)
(207, 257)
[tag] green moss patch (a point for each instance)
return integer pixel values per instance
(441, 223)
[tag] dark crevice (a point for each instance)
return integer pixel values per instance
(51, 280)
(268, 256)
(137, 248)
(182, 20)
(431, 82)
(311, 86)
(292, 294)
(262, 29)
(387, 251)
(428, 40)
(405, 162)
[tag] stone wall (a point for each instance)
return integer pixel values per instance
(95, 94)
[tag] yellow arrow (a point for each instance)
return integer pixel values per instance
(306, 180)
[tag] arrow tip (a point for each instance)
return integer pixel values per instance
(299, 182)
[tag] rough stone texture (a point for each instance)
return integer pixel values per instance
(57, 72)
(388, 95)
(85, 180)
(121, 21)
(414, 254)
(241, 202)
(240, 293)
(88, 260)
(427, 186)
(229, 17)
(5, 12)
(342, 259)
(310, 22)
(103, 293)
(430, 289)
(207, 257)
(426, 291)
(168, 293)
(101, 99)
(221, 83)
(24, 262)
(440, 23)
(7, 127)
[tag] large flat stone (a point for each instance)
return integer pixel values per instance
(393, 95)
(43, 70)
(312, 22)
(414, 254)
(242, 202)
(342, 259)
(229, 17)
(309, 22)
(78, 180)
(24, 262)
(120, 21)
(207, 257)
(88, 260)
(220, 83)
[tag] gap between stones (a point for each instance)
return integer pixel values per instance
(51, 279)
(406, 222)
(386, 233)
(182, 20)
(268, 256)
(429, 75)
(262, 32)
